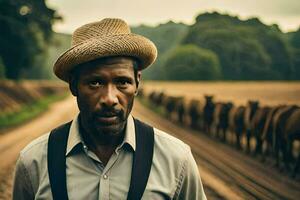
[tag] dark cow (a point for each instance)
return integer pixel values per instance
(159, 98)
(292, 133)
(170, 103)
(248, 117)
(180, 108)
(223, 121)
(287, 130)
(239, 125)
(257, 127)
(194, 113)
(267, 134)
(208, 114)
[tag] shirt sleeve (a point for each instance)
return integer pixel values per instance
(22, 189)
(191, 187)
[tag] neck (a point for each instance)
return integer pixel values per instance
(103, 145)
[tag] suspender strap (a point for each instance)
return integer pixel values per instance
(141, 167)
(142, 160)
(57, 144)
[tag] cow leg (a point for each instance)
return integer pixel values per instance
(286, 154)
(258, 148)
(218, 132)
(238, 141)
(265, 152)
(296, 168)
(224, 134)
(248, 136)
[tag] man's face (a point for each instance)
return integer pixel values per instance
(105, 95)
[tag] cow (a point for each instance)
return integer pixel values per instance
(248, 116)
(170, 103)
(208, 113)
(239, 125)
(223, 119)
(257, 126)
(286, 131)
(267, 134)
(180, 110)
(194, 113)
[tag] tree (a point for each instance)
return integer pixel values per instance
(166, 37)
(26, 28)
(295, 49)
(190, 62)
(247, 49)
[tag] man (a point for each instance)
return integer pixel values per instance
(104, 153)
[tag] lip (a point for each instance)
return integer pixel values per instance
(108, 119)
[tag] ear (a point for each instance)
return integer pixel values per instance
(73, 85)
(139, 77)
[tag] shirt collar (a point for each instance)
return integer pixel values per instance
(75, 137)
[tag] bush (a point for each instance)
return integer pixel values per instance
(190, 62)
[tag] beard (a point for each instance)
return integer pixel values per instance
(106, 124)
(109, 121)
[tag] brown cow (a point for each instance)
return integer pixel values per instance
(287, 130)
(257, 126)
(248, 117)
(267, 134)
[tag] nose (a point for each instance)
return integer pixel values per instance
(109, 96)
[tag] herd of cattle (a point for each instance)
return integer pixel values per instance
(274, 129)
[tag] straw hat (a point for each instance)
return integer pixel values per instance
(108, 37)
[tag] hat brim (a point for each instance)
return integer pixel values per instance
(132, 45)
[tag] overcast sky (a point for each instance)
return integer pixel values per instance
(285, 13)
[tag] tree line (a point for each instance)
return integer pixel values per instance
(216, 47)
(223, 47)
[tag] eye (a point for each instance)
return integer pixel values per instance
(123, 82)
(95, 83)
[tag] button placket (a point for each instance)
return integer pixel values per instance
(105, 176)
(104, 187)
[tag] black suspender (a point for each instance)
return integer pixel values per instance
(57, 144)
(142, 160)
(141, 167)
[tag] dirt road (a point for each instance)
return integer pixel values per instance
(226, 173)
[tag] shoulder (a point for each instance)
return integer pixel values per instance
(169, 149)
(37, 145)
(33, 156)
(170, 143)
(32, 163)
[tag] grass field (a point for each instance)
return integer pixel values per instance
(268, 93)
(27, 112)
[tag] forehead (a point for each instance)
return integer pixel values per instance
(107, 66)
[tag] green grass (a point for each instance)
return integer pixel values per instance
(27, 112)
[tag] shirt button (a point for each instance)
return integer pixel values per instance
(105, 176)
